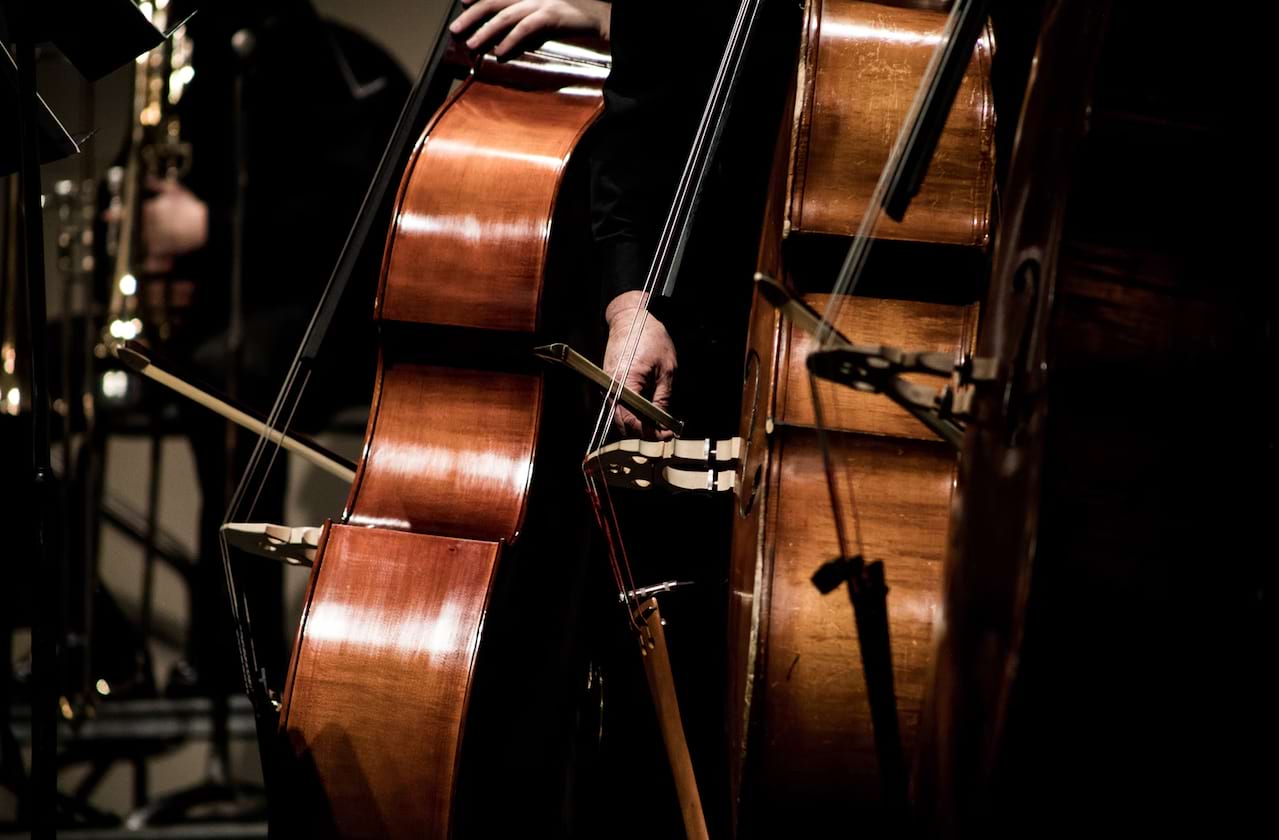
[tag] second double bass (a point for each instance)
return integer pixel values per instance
(811, 743)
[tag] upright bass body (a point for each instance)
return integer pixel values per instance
(803, 749)
(1104, 659)
(445, 585)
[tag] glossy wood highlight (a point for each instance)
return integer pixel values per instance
(396, 718)
(816, 742)
(799, 718)
(377, 696)
(803, 754)
(457, 435)
(859, 70)
(469, 243)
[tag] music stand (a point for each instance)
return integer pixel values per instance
(56, 142)
(97, 36)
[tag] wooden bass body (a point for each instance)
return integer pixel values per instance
(803, 756)
(433, 658)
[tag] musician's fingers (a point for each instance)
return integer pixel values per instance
(652, 431)
(658, 433)
(523, 30)
(625, 421)
(500, 22)
(662, 389)
(662, 399)
(477, 12)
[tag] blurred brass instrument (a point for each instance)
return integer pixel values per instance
(138, 309)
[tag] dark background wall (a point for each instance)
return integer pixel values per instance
(406, 29)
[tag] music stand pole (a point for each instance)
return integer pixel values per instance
(43, 789)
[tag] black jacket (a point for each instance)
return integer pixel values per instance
(664, 57)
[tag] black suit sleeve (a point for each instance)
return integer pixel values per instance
(664, 56)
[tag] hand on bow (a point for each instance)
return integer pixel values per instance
(652, 372)
(516, 21)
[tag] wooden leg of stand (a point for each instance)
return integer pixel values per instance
(657, 667)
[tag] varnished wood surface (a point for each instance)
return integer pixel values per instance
(1104, 583)
(803, 759)
(441, 440)
(802, 743)
(757, 409)
(816, 742)
(376, 699)
(409, 595)
(860, 67)
(917, 325)
(470, 238)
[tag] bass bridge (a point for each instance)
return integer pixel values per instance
(708, 466)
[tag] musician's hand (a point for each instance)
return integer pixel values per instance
(653, 371)
(174, 222)
(516, 21)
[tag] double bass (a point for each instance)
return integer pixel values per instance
(811, 740)
(1108, 610)
(434, 663)
(810, 743)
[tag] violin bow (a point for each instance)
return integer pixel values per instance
(662, 273)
